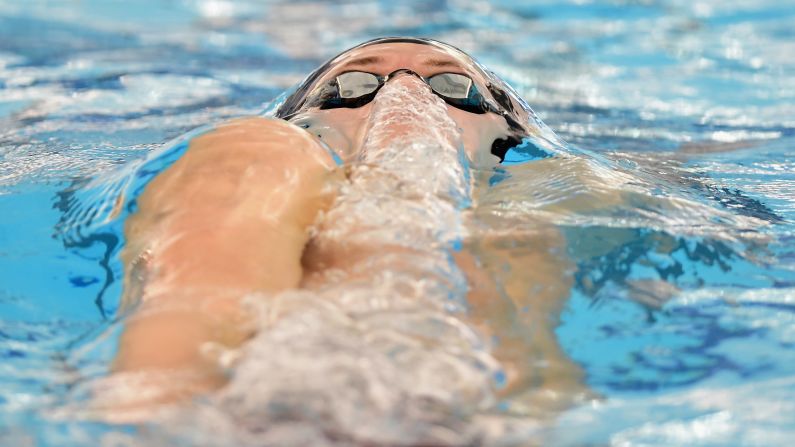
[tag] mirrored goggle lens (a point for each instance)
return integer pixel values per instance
(355, 84)
(451, 85)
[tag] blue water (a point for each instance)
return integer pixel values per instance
(687, 337)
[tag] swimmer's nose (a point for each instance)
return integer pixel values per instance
(405, 107)
(404, 72)
(405, 110)
(405, 89)
(410, 80)
(405, 92)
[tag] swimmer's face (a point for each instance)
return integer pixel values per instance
(343, 127)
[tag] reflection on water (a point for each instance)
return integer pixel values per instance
(677, 219)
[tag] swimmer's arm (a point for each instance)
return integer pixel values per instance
(229, 218)
(518, 285)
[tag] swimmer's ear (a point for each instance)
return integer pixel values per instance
(511, 110)
(502, 98)
(501, 146)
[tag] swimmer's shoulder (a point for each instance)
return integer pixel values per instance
(273, 133)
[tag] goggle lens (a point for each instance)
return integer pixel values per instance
(451, 85)
(355, 84)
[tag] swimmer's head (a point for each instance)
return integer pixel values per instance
(336, 99)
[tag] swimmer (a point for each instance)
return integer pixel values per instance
(237, 216)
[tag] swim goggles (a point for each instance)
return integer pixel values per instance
(354, 89)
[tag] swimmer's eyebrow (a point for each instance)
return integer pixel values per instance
(364, 61)
(440, 63)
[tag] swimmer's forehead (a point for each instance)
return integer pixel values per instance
(385, 58)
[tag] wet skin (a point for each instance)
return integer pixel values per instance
(232, 217)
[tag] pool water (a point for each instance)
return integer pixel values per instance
(681, 313)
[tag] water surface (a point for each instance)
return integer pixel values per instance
(680, 316)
